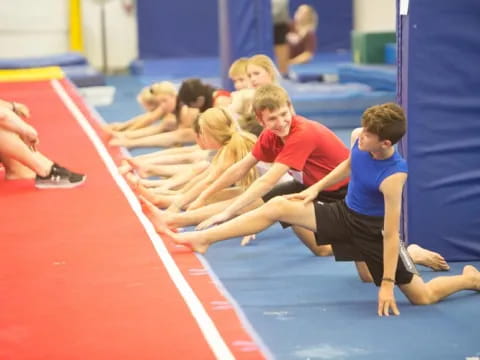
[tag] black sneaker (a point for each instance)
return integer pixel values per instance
(59, 177)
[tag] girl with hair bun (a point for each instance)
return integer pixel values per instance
(159, 102)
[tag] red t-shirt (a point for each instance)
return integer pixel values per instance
(311, 150)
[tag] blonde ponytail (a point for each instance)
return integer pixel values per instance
(235, 144)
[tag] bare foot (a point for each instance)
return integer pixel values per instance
(138, 167)
(109, 128)
(133, 181)
(427, 258)
(193, 240)
(471, 272)
(147, 193)
(155, 215)
(124, 168)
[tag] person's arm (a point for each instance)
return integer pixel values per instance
(185, 177)
(139, 121)
(241, 102)
(255, 191)
(18, 108)
(186, 116)
(391, 188)
(170, 151)
(229, 177)
(341, 172)
(12, 122)
(301, 58)
(198, 185)
(146, 119)
(309, 48)
(168, 123)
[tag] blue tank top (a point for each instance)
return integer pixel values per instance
(364, 195)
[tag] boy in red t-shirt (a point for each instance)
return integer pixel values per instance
(305, 149)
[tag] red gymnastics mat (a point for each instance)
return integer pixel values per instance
(83, 275)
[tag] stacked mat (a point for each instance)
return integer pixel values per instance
(74, 65)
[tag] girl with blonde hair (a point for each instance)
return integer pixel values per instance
(215, 130)
(159, 102)
(238, 74)
(260, 71)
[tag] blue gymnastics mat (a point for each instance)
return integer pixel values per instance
(321, 65)
(379, 77)
(177, 68)
(335, 105)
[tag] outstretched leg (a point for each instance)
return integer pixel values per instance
(421, 293)
(167, 139)
(278, 209)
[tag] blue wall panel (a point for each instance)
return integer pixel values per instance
(246, 30)
(178, 28)
(443, 142)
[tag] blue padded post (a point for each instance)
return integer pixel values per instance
(245, 29)
(443, 188)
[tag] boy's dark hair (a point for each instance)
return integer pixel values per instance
(387, 121)
(269, 97)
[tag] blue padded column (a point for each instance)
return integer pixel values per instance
(245, 29)
(443, 141)
(402, 95)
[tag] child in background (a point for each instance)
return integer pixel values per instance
(159, 101)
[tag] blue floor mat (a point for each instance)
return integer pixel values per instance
(174, 68)
(322, 64)
(379, 77)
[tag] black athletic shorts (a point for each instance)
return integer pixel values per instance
(294, 186)
(280, 32)
(357, 237)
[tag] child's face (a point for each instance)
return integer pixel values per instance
(258, 76)
(277, 121)
(370, 142)
(241, 82)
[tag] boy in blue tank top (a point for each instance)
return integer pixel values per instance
(364, 227)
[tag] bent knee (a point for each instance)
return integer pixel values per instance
(322, 250)
(276, 206)
(426, 298)
(418, 294)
